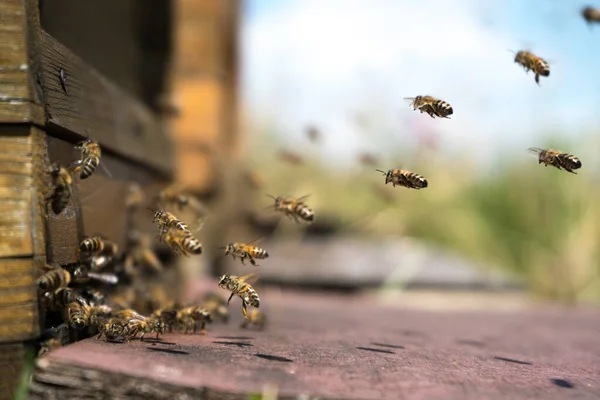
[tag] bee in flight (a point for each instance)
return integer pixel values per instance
(531, 62)
(165, 221)
(404, 178)
(556, 158)
(591, 14)
(293, 208)
(90, 158)
(432, 106)
(238, 285)
(62, 189)
(182, 242)
(248, 251)
(255, 318)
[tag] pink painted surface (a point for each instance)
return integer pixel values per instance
(349, 347)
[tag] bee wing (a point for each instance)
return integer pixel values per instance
(110, 279)
(255, 241)
(303, 197)
(534, 151)
(248, 278)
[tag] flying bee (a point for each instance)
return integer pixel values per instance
(188, 318)
(293, 208)
(112, 329)
(255, 318)
(290, 157)
(165, 220)
(140, 253)
(591, 14)
(90, 158)
(96, 245)
(531, 62)
(78, 315)
(404, 178)
(238, 285)
(182, 242)
(246, 251)
(54, 279)
(556, 158)
(216, 306)
(145, 325)
(63, 191)
(432, 106)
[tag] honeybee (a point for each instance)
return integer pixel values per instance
(145, 325)
(531, 62)
(140, 253)
(367, 159)
(313, 133)
(293, 208)
(290, 157)
(96, 314)
(557, 159)
(432, 106)
(238, 285)
(188, 318)
(48, 345)
(112, 329)
(134, 197)
(404, 178)
(246, 251)
(82, 274)
(255, 318)
(167, 314)
(94, 297)
(128, 313)
(182, 242)
(165, 220)
(591, 14)
(60, 298)
(78, 315)
(96, 245)
(63, 191)
(216, 306)
(54, 279)
(90, 158)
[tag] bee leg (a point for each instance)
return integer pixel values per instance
(537, 79)
(253, 262)
(230, 297)
(242, 259)
(244, 311)
(142, 336)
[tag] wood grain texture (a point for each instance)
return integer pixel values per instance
(90, 104)
(20, 95)
(12, 356)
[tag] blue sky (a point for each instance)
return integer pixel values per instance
(322, 61)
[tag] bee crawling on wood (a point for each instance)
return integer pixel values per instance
(167, 315)
(238, 285)
(90, 158)
(78, 315)
(188, 319)
(133, 326)
(216, 306)
(246, 251)
(56, 278)
(404, 178)
(556, 158)
(63, 191)
(112, 329)
(182, 242)
(531, 62)
(97, 314)
(432, 106)
(293, 208)
(256, 318)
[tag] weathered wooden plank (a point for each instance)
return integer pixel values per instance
(12, 356)
(84, 102)
(20, 95)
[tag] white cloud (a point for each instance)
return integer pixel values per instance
(320, 60)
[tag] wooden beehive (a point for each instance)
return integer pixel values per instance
(64, 77)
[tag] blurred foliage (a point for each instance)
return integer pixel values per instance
(540, 225)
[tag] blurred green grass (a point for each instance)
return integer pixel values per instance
(539, 225)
